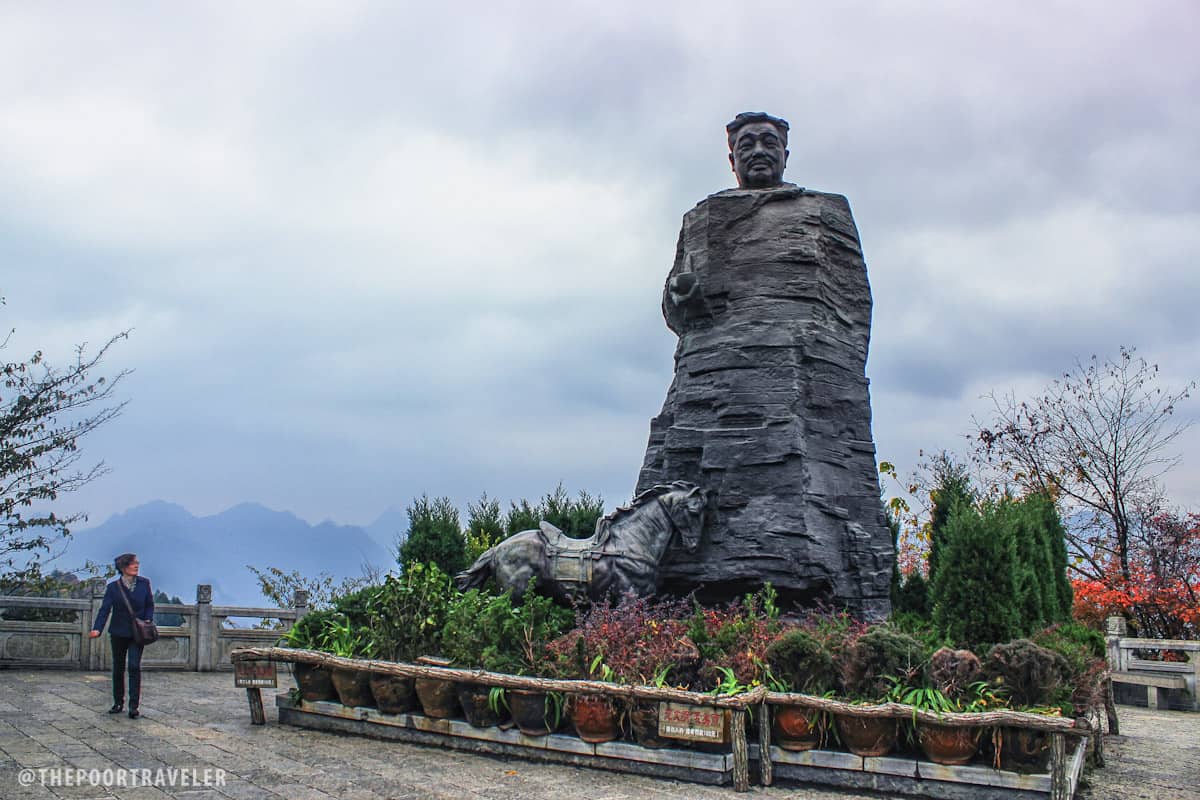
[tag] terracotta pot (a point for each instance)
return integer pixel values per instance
(353, 687)
(595, 717)
(438, 698)
(315, 682)
(643, 719)
(797, 727)
(534, 712)
(948, 744)
(393, 694)
(477, 708)
(868, 736)
(1023, 750)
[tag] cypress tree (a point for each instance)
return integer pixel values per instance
(974, 588)
(953, 487)
(1034, 599)
(1060, 596)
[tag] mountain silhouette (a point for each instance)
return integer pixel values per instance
(178, 550)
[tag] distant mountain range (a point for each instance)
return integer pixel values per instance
(177, 550)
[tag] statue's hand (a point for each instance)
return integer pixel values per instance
(683, 288)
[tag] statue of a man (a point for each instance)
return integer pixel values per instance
(769, 408)
(757, 149)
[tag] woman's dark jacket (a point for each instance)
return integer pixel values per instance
(141, 598)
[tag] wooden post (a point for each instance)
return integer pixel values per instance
(1110, 708)
(741, 753)
(257, 715)
(764, 745)
(1060, 780)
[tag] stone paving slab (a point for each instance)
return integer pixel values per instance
(194, 721)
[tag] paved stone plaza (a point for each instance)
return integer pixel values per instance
(198, 721)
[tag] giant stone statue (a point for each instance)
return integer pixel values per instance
(769, 409)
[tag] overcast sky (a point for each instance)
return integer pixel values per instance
(369, 250)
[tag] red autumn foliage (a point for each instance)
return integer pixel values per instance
(1161, 596)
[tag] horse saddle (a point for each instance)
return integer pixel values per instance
(570, 560)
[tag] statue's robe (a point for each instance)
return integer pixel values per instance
(769, 408)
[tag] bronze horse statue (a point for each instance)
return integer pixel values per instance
(621, 556)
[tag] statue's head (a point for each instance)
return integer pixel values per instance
(757, 149)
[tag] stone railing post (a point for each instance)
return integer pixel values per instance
(91, 650)
(1114, 629)
(206, 635)
(300, 603)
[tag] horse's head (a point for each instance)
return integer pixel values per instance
(686, 503)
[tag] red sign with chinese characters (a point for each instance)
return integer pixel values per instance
(254, 674)
(693, 723)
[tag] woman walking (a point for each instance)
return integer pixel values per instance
(127, 597)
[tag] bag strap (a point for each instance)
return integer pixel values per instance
(125, 596)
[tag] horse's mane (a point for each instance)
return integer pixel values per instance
(651, 493)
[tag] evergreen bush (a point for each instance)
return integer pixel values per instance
(434, 535)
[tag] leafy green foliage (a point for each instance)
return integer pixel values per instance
(490, 632)
(309, 631)
(409, 611)
(912, 597)
(434, 535)
(485, 527)
(45, 412)
(576, 517)
(279, 587)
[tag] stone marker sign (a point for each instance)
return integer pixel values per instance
(769, 408)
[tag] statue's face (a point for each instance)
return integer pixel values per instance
(758, 156)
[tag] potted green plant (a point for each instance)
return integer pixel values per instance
(870, 667)
(953, 685)
(342, 639)
(799, 662)
(315, 683)
(1033, 679)
(405, 622)
(493, 633)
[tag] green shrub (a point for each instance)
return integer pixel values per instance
(875, 662)
(408, 612)
(1029, 675)
(309, 632)
(434, 535)
(488, 632)
(801, 662)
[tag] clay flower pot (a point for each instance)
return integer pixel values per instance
(797, 728)
(948, 744)
(393, 694)
(643, 719)
(438, 698)
(867, 736)
(353, 687)
(1023, 750)
(477, 708)
(595, 717)
(534, 712)
(315, 683)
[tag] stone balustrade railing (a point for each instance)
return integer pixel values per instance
(201, 643)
